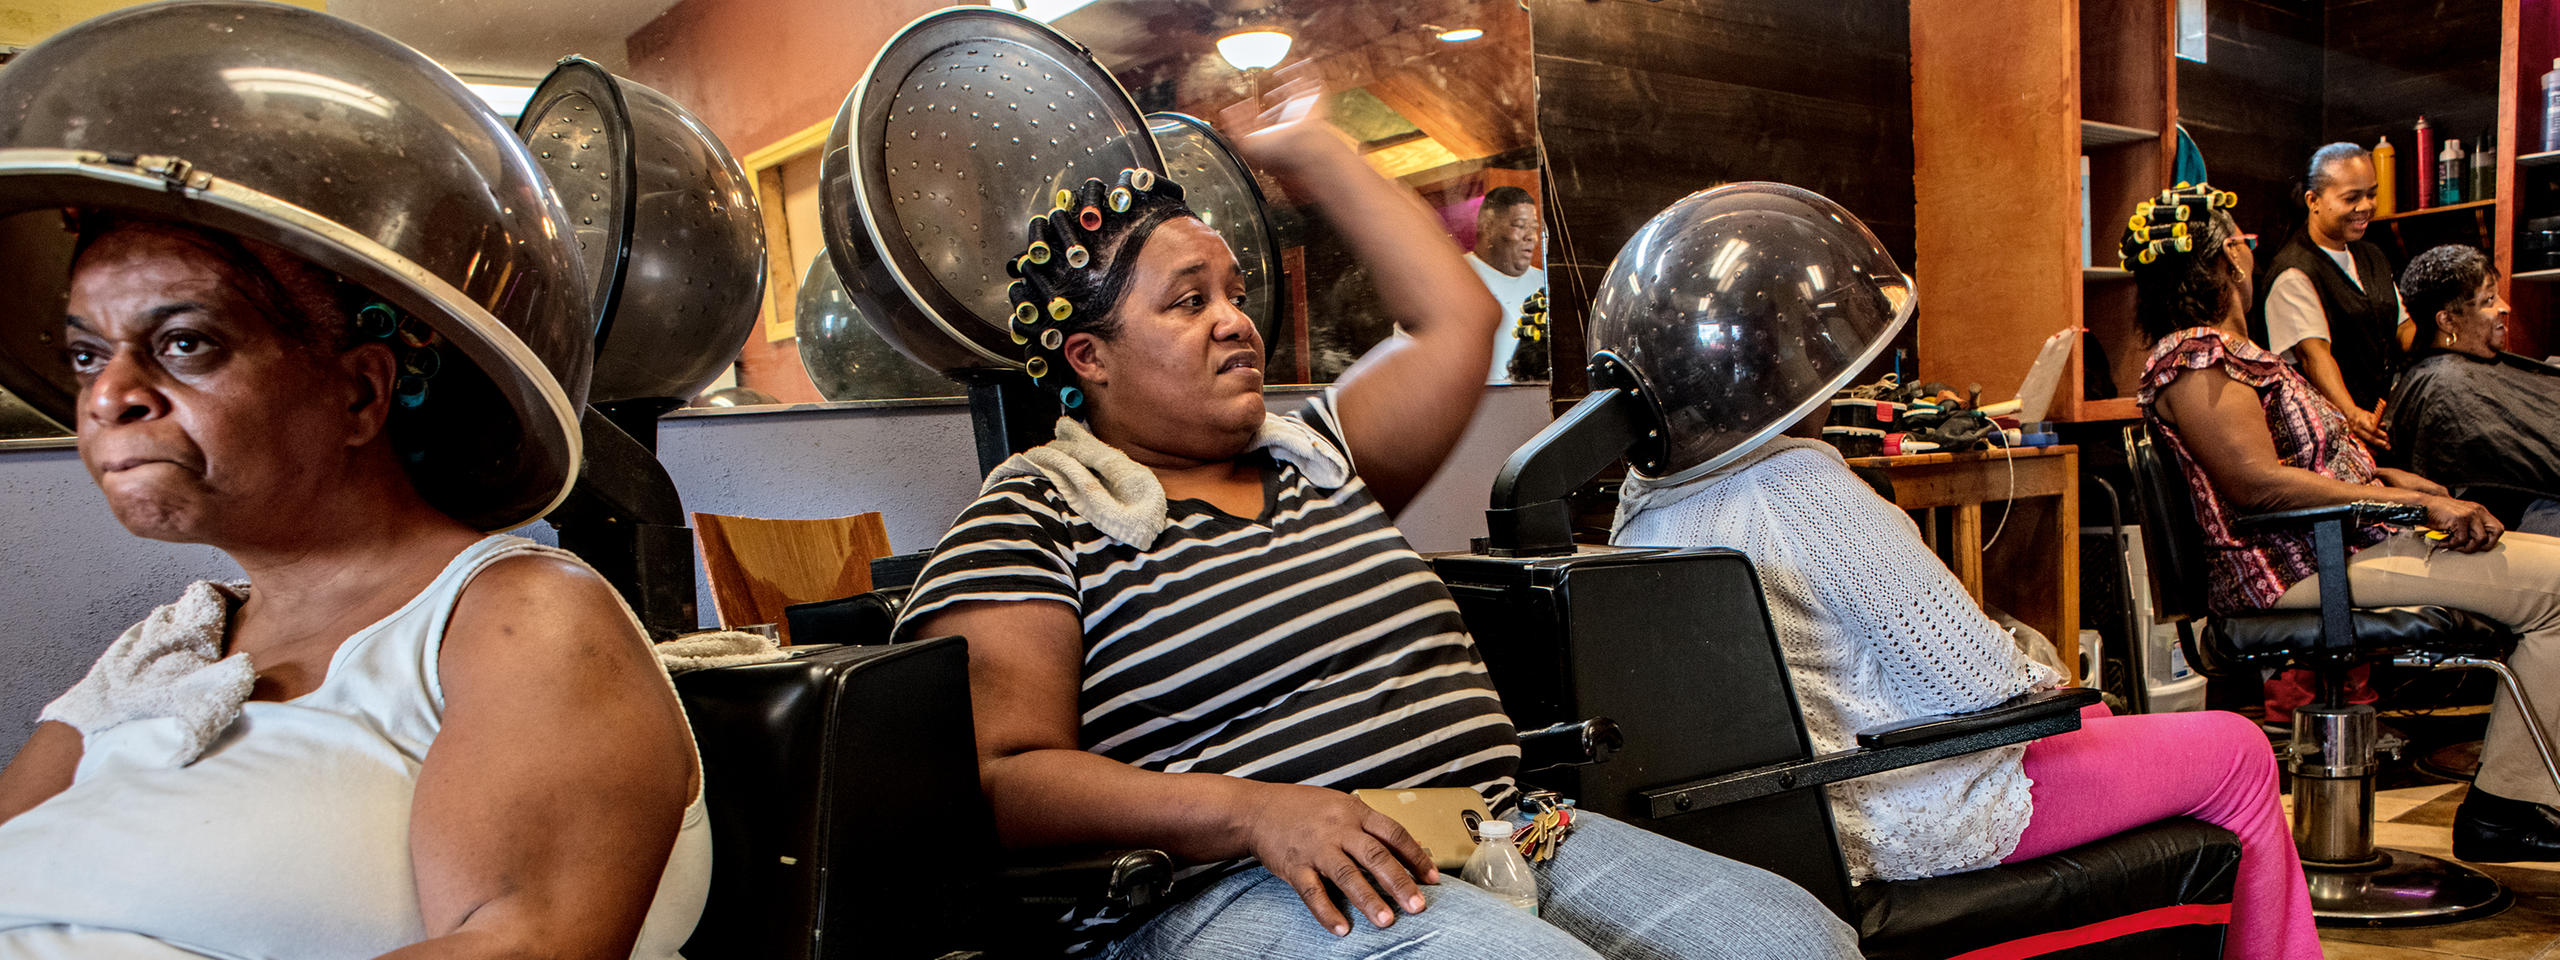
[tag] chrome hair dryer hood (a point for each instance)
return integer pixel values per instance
(343, 147)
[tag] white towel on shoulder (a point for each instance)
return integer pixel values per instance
(1123, 499)
(169, 665)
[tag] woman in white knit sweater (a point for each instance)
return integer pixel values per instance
(1876, 630)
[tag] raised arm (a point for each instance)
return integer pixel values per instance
(41, 769)
(2226, 431)
(545, 812)
(1025, 668)
(1404, 405)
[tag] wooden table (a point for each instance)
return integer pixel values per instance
(2033, 570)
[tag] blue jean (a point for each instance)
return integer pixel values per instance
(1612, 891)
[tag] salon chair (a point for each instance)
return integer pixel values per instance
(2352, 881)
(1675, 645)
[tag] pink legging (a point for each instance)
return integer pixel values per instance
(2117, 773)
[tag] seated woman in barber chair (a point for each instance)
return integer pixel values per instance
(1193, 627)
(1876, 630)
(399, 736)
(2465, 411)
(2252, 436)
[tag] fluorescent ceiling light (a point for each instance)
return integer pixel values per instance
(1460, 35)
(1254, 49)
(1048, 11)
(507, 98)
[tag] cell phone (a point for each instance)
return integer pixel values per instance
(1442, 819)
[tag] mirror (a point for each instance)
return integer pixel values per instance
(1438, 94)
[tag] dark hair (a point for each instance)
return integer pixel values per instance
(1504, 198)
(1075, 266)
(2317, 178)
(2173, 245)
(2437, 280)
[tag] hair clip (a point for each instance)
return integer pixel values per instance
(1060, 309)
(1120, 199)
(1076, 255)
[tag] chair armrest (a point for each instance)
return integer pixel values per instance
(1570, 745)
(2358, 512)
(2028, 717)
(2023, 708)
(1127, 878)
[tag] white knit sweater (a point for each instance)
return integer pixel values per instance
(1875, 629)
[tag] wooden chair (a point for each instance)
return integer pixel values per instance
(759, 566)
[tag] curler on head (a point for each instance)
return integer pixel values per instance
(1077, 257)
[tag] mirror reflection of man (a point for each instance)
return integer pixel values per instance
(2331, 306)
(1506, 258)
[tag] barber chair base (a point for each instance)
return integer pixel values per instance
(2402, 889)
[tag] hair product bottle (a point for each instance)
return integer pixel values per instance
(2451, 172)
(2551, 107)
(2425, 182)
(2484, 166)
(2386, 173)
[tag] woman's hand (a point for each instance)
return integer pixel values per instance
(2367, 426)
(1285, 132)
(1312, 837)
(2467, 527)
(2404, 480)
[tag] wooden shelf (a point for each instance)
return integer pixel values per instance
(2111, 408)
(2447, 208)
(2538, 276)
(2097, 133)
(2105, 273)
(2538, 159)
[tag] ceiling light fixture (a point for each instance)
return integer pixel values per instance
(1459, 35)
(1254, 49)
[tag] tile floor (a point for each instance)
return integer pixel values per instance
(2421, 819)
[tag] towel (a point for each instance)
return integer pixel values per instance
(1123, 499)
(717, 648)
(169, 665)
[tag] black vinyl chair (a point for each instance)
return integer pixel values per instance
(2352, 881)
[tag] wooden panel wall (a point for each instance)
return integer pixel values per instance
(2254, 107)
(1642, 103)
(2390, 60)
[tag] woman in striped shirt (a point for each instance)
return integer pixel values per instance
(1193, 626)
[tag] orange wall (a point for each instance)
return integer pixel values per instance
(760, 70)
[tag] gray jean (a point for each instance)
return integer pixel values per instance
(1612, 891)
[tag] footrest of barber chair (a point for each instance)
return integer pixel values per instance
(846, 819)
(2159, 892)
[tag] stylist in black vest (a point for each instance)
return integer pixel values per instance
(2331, 308)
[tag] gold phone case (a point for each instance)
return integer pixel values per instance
(1442, 819)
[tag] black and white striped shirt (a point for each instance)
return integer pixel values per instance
(1308, 645)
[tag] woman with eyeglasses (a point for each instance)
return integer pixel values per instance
(2468, 413)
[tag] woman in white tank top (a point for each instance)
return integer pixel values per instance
(399, 736)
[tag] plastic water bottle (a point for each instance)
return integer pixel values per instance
(1497, 866)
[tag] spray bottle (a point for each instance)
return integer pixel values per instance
(2484, 166)
(2425, 182)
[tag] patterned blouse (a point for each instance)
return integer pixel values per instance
(2250, 571)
